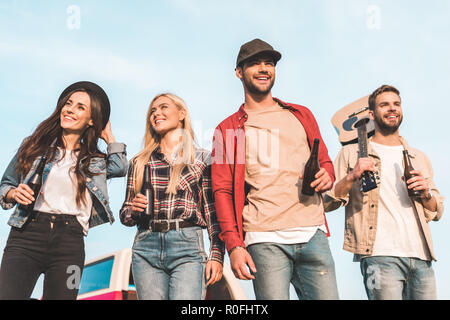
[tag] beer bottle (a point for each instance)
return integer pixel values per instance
(35, 183)
(311, 168)
(147, 191)
(407, 174)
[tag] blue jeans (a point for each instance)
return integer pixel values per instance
(169, 266)
(308, 266)
(395, 278)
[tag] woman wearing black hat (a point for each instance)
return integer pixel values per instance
(47, 228)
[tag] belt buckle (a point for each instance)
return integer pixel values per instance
(168, 226)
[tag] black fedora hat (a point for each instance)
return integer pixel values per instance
(254, 47)
(96, 90)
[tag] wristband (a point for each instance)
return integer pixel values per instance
(232, 249)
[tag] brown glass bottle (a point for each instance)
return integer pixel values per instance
(35, 182)
(311, 168)
(147, 191)
(407, 174)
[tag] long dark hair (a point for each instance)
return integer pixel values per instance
(49, 132)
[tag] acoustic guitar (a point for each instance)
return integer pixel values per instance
(353, 125)
(345, 119)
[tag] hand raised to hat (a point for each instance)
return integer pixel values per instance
(107, 134)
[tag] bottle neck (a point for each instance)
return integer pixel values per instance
(41, 166)
(146, 174)
(407, 160)
(315, 149)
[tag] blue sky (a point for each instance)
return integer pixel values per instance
(334, 52)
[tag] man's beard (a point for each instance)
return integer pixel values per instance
(386, 128)
(255, 90)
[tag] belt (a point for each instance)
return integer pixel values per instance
(165, 225)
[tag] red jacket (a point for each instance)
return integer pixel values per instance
(228, 168)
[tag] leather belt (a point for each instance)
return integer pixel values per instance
(165, 226)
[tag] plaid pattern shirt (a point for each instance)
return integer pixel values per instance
(193, 201)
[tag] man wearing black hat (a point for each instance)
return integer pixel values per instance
(258, 157)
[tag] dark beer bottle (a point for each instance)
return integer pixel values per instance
(311, 168)
(407, 174)
(147, 191)
(35, 182)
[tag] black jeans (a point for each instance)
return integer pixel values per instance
(52, 244)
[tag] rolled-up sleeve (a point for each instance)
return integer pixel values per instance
(331, 202)
(9, 181)
(433, 215)
(117, 163)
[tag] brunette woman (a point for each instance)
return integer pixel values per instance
(48, 238)
(169, 260)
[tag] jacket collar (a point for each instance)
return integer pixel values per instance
(406, 146)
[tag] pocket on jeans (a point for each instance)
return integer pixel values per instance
(189, 234)
(31, 227)
(141, 235)
(75, 228)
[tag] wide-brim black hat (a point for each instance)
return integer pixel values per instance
(254, 47)
(95, 90)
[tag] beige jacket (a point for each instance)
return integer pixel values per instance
(361, 209)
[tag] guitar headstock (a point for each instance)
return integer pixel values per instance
(369, 181)
(345, 119)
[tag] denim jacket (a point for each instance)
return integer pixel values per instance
(114, 165)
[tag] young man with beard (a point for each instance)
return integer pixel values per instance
(258, 157)
(386, 230)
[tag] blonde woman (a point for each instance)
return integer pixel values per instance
(169, 260)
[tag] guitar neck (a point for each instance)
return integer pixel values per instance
(362, 141)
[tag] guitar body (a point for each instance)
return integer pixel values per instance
(344, 121)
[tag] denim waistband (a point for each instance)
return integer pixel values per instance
(55, 217)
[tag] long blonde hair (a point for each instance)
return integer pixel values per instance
(185, 154)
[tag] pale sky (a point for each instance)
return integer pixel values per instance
(334, 52)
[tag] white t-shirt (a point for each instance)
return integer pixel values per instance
(289, 236)
(398, 229)
(58, 194)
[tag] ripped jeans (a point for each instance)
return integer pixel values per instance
(308, 266)
(397, 278)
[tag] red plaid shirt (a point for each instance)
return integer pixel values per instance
(193, 201)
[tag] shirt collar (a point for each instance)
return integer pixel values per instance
(157, 153)
(406, 146)
(242, 115)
